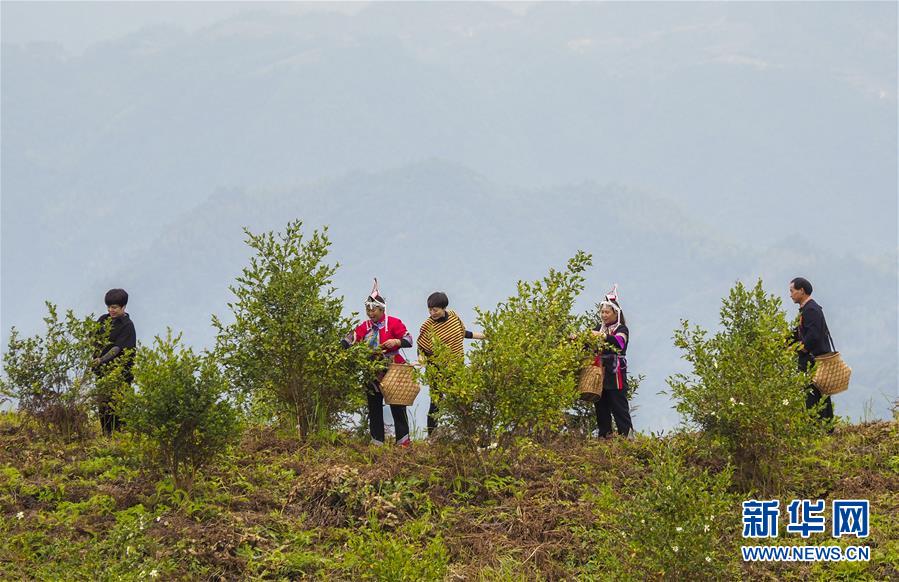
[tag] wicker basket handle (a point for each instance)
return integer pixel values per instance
(829, 337)
(408, 361)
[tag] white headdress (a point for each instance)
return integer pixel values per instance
(612, 301)
(374, 299)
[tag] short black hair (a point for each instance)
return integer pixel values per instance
(116, 297)
(438, 299)
(802, 283)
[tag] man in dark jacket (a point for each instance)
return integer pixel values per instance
(813, 337)
(117, 345)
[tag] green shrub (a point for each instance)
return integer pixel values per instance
(283, 348)
(180, 406)
(677, 520)
(523, 378)
(411, 553)
(50, 376)
(14, 486)
(745, 392)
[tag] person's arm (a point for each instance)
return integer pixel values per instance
(125, 340)
(349, 339)
(814, 330)
(614, 343)
(397, 343)
(404, 341)
(108, 356)
(598, 331)
(470, 334)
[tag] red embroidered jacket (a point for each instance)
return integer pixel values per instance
(394, 329)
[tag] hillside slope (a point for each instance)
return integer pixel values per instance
(338, 509)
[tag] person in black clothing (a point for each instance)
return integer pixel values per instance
(615, 338)
(117, 344)
(812, 335)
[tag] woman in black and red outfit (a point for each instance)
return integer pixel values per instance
(613, 358)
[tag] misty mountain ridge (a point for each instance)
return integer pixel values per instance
(686, 146)
(408, 227)
(164, 116)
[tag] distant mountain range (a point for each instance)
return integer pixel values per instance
(435, 225)
(465, 146)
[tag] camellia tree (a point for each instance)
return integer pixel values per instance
(50, 375)
(181, 406)
(745, 392)
(678, 523)
(283, 348)
(522, 379)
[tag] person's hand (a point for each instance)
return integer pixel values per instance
(391, 344)
(95, 362)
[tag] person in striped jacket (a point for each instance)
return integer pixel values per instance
(445, 325)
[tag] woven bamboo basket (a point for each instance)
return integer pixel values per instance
(398, 385)
(831, 373)
(590, 382)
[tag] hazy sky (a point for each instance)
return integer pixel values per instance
(76, 25)
(767, 130)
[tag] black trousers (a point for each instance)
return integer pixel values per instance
(109, 420)
(613, 403)
(433, 409)
(813, 396)
(376, 416)
(432, 415)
